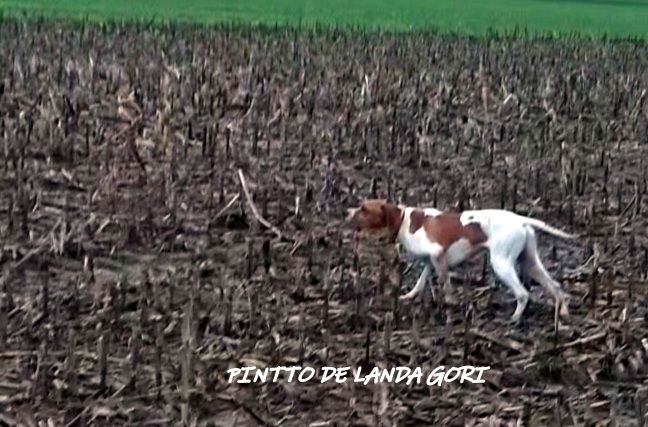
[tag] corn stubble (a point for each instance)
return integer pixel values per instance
(135, 271)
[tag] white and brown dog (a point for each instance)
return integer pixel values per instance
(444, 240)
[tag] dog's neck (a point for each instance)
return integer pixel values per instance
(395, 216)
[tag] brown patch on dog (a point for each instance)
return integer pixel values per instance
(417, 219)
(475, 233)
(446, 228)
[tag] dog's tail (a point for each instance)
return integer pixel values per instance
(549, 229)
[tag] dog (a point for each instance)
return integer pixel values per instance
(444, 240)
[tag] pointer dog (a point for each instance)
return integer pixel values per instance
(444, 240)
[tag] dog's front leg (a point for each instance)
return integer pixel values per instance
(420, 284)
(405, 256)
(443, 276)
(441, 265)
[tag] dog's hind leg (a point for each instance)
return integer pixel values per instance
(505, 251)
(536, 270)
(505, 271)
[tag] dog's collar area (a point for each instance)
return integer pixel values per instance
(400, 224)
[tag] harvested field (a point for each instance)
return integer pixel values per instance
(134, 272)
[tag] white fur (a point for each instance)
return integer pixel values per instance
(498, 219)
(456, 252)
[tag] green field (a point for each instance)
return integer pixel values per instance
(612, 18)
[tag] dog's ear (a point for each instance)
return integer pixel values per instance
(390, 212)
(385, 208)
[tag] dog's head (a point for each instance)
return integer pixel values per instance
(376, 217)
(371, 215)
